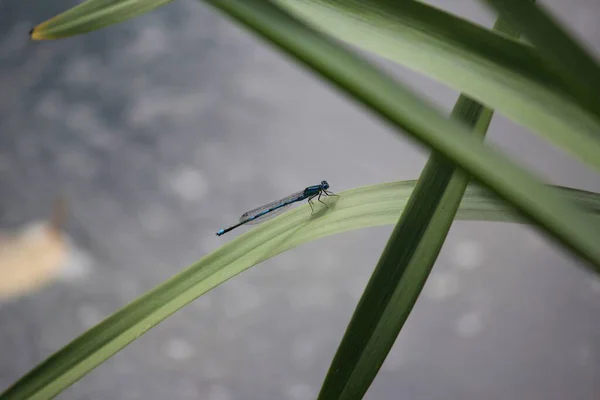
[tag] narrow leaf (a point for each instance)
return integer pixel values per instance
(400, 273)
(492, 69)
(408, 112)
(357, 208)
(556, 45)
(92, 15)
(497, 71)
(404, 266)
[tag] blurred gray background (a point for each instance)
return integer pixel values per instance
(166, 128)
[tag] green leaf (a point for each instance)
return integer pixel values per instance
(557, 46)
(402, 270)
(404, 110)
(497, 71)
(92, 15)
(405, 264)
(358, 208)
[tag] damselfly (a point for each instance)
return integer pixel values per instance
(270, 210)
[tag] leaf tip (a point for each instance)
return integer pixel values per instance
(36, 34)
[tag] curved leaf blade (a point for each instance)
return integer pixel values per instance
(497, 71)
(406, 111)
(556, 45)
(494, 70)
(92, 15)
(357, 208)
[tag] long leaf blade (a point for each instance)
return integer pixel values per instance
(501, 73)
(405, 265)
(406, 111)
(401, 271)
(556, 45)
(92, 15)
(498, 72)
(357, 208)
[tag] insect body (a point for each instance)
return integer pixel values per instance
(270, 210)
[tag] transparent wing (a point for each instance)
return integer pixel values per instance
(277, 208)
(269, 215)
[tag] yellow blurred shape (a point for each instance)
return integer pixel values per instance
(31, 258)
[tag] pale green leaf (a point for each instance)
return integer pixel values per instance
(499, 72)
(357, 208)
(410, 114)
(556, 45)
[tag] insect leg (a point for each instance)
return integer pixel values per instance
(319, 200)
(312, 210)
